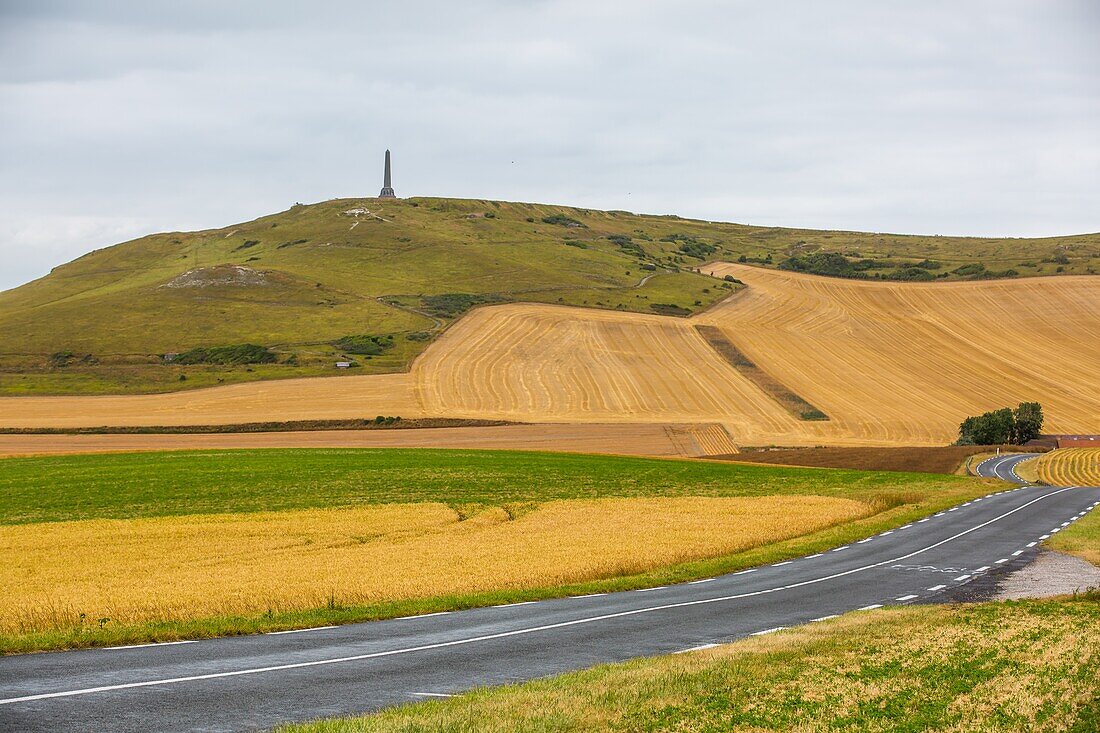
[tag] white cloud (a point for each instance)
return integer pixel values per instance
(941, 117)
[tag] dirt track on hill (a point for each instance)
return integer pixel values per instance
(889, 363)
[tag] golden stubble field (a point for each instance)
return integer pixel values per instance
(175, 568)
(1067, 467)
(889, 363)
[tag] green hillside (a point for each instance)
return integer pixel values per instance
(373, 281)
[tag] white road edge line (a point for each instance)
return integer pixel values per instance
(909, 597)
(824, 618)
(699, 648)
(937, 587)
(431, 694)
(299, 631)
(519, 632)
(152, 643)
(767, 631)
(704, 580)
(872, 607)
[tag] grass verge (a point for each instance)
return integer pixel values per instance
(1005, 667)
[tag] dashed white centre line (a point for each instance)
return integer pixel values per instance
(909, 597)
(423, 615)
(780, 564)
(937, 587)
(594, 595)
(872, 607)
(1017, 553)
(1045, 537)
(750, 570)
(704, 580)
(922, 521)
(886, 533)
(866, 540)
(509, 605)
(1031, 544)
(982, 569)
(838, 549)
(817, 555)
(962, 577)
(646, 590)
(153, 643)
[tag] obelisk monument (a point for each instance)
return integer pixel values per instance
(387, 187)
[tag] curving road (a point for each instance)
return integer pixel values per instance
(1003, 466)
(255, 682)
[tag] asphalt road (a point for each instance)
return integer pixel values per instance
(255, 682)
(1003, 466)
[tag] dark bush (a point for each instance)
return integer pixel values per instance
(364, 344)
(449, 305)
(561, 220)
(419, 336)
(228, 355)
(970, 270)
(669, 309)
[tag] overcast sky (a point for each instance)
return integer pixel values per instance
(952, 117)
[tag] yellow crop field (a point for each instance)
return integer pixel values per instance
(889, 363)
(174, 568)
(1068, 467)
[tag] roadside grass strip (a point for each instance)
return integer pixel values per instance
(882, 671)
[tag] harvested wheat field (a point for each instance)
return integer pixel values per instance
(173, 568)
(1067, 467)
(887, 363)
(641, 439)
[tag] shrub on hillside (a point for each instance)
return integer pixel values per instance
(226, 355)
(973, 269)
(364, 344)
(822, 263)
(669, 309)
(449, 305)
(561, 220)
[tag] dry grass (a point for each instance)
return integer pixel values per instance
(1067, 467)
(995, 668)
(175, 568)
(889, 363)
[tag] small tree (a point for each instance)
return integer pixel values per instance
(1029, 422)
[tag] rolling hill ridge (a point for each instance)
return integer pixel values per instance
(375, 281)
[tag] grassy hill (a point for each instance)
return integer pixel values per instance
(374, 281)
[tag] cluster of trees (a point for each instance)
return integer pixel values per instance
(1004, 426)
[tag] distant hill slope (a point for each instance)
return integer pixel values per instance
(374, 281)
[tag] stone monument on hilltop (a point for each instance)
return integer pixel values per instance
(387, 187)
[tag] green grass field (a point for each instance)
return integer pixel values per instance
(124, 486)
(317, 273)
(997, 667)
(128, 485)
